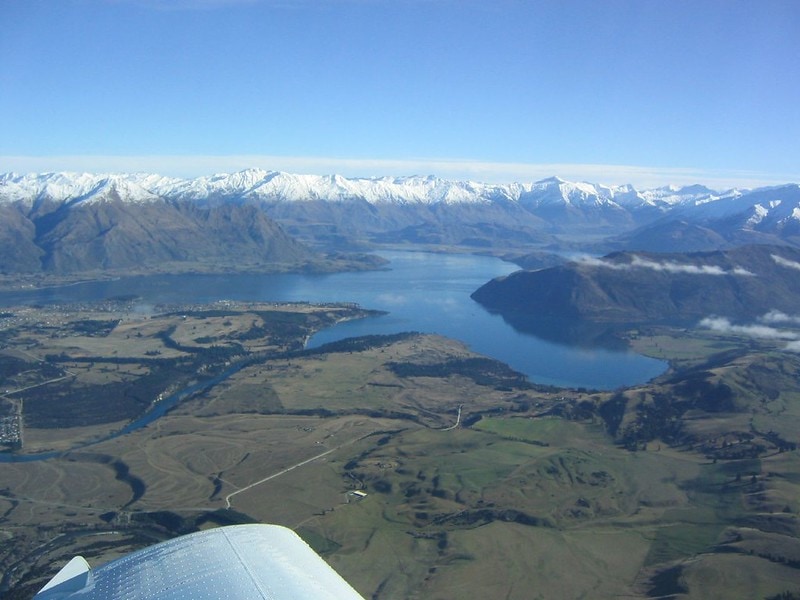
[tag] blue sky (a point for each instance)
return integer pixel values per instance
(612, 91)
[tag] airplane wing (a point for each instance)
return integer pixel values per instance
(234, 562)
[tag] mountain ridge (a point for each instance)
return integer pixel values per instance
(333, 213)
(260, 184)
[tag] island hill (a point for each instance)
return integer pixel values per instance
(741, 284)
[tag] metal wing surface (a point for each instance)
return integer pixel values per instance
(235, 562)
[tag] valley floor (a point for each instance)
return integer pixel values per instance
(537, 492)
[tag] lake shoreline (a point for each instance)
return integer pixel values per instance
(420, 291)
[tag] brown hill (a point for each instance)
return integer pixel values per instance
(113, 234)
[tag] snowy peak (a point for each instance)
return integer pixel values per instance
(275, 186)
(770, 200)
(669, 196)
(556, 192)
(774, 208)
(342, 212)
(117, 188)
(56, 187)
(221, 184)
(271, 186)
(550, 196)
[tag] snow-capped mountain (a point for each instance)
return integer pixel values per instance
(78, 187)
(275, 186)
(557, 192)
(333, 211)
(777, 202)
(65, 223)
(272, 186)
(671, 195)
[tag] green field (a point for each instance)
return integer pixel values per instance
(686, 487)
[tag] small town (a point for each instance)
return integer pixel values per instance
(11, 431)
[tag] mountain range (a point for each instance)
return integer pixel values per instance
(72, 222)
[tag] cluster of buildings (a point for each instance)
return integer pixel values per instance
(11, 431)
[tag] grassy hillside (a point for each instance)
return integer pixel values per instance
(478, 484)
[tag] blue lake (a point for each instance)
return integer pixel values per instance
(420, 291)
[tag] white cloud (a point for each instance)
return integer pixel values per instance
(785, 262)
(461, 169)
(638, 262)
(793, 346)
(723, 325)
(775, 317)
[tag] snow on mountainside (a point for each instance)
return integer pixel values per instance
(688, 195)
(67, 223)
(258, 184)
(559, 202)
(557, 192)
(117, 187)
(76, 187)
(71, 221)
(255, 184)
(775, 202)
(58, 187)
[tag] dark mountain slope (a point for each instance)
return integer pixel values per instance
(742, 283)
(355, 221)
(672, 235)
(116, 235)
(18, 250)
